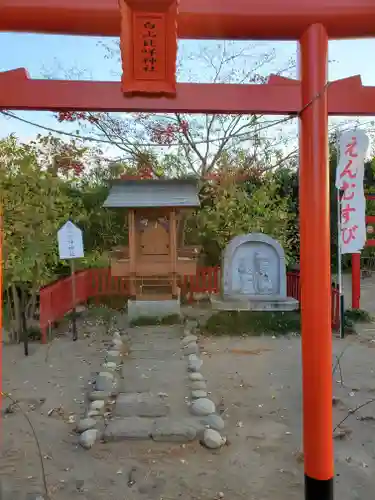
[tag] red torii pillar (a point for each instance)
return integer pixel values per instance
(315, 266)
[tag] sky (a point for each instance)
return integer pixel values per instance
(63, 57)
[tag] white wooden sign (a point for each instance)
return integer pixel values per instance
(353, 146)
(70, 241)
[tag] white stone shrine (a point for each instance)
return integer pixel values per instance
(254, 276)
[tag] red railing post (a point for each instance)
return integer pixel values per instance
(335, 307)
(356, 280)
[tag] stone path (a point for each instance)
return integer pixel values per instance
(151, 388)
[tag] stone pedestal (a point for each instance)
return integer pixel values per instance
(254, 303)
(153, 308)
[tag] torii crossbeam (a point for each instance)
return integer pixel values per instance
(149, 73)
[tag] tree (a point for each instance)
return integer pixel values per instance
(232, 211)
(34, 207)
(195, 144)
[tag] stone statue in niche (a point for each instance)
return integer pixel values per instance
(253, 276)
(246, 277)
(253, 264)
(263, 282)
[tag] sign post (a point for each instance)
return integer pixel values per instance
(70, 242)
(352, 147)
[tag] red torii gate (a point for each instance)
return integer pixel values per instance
(312, 23)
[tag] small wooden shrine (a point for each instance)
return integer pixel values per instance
(155, 257)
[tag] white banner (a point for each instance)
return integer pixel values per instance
(353, 146)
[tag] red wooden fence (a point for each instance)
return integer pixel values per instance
(207, 280)
(293, 287)
(56, 299)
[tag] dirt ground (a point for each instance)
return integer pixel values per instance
(256, 379)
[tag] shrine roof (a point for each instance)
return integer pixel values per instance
(152, 194)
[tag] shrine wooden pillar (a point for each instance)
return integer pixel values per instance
(315, 267)
(132, 253)
(173, 249)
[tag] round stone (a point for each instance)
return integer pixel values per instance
(117, 344)
(104, 381)
(113, 356)
(195, 365)
(198, 394)
(110, 366)
(116, 336)
(97, 405)
(191, 349)
(87, 439)
(212, 439)
(195, 376)
(202, 407)
(189, 339)
(198, 385)
(93, 413)
(213, 422)
(85, 424)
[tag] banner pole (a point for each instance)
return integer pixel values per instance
(339, 254)
(339, 267)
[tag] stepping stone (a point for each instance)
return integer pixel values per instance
(140, 405)
(196, 376)
(128, 428)
(133, 386)
(173, 431)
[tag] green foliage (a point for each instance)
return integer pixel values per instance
(287, 188)
(102, 228)
(358, 316)
(252, 323)
(34, 207)
(231, 210)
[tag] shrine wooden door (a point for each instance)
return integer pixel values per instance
(154, 238)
